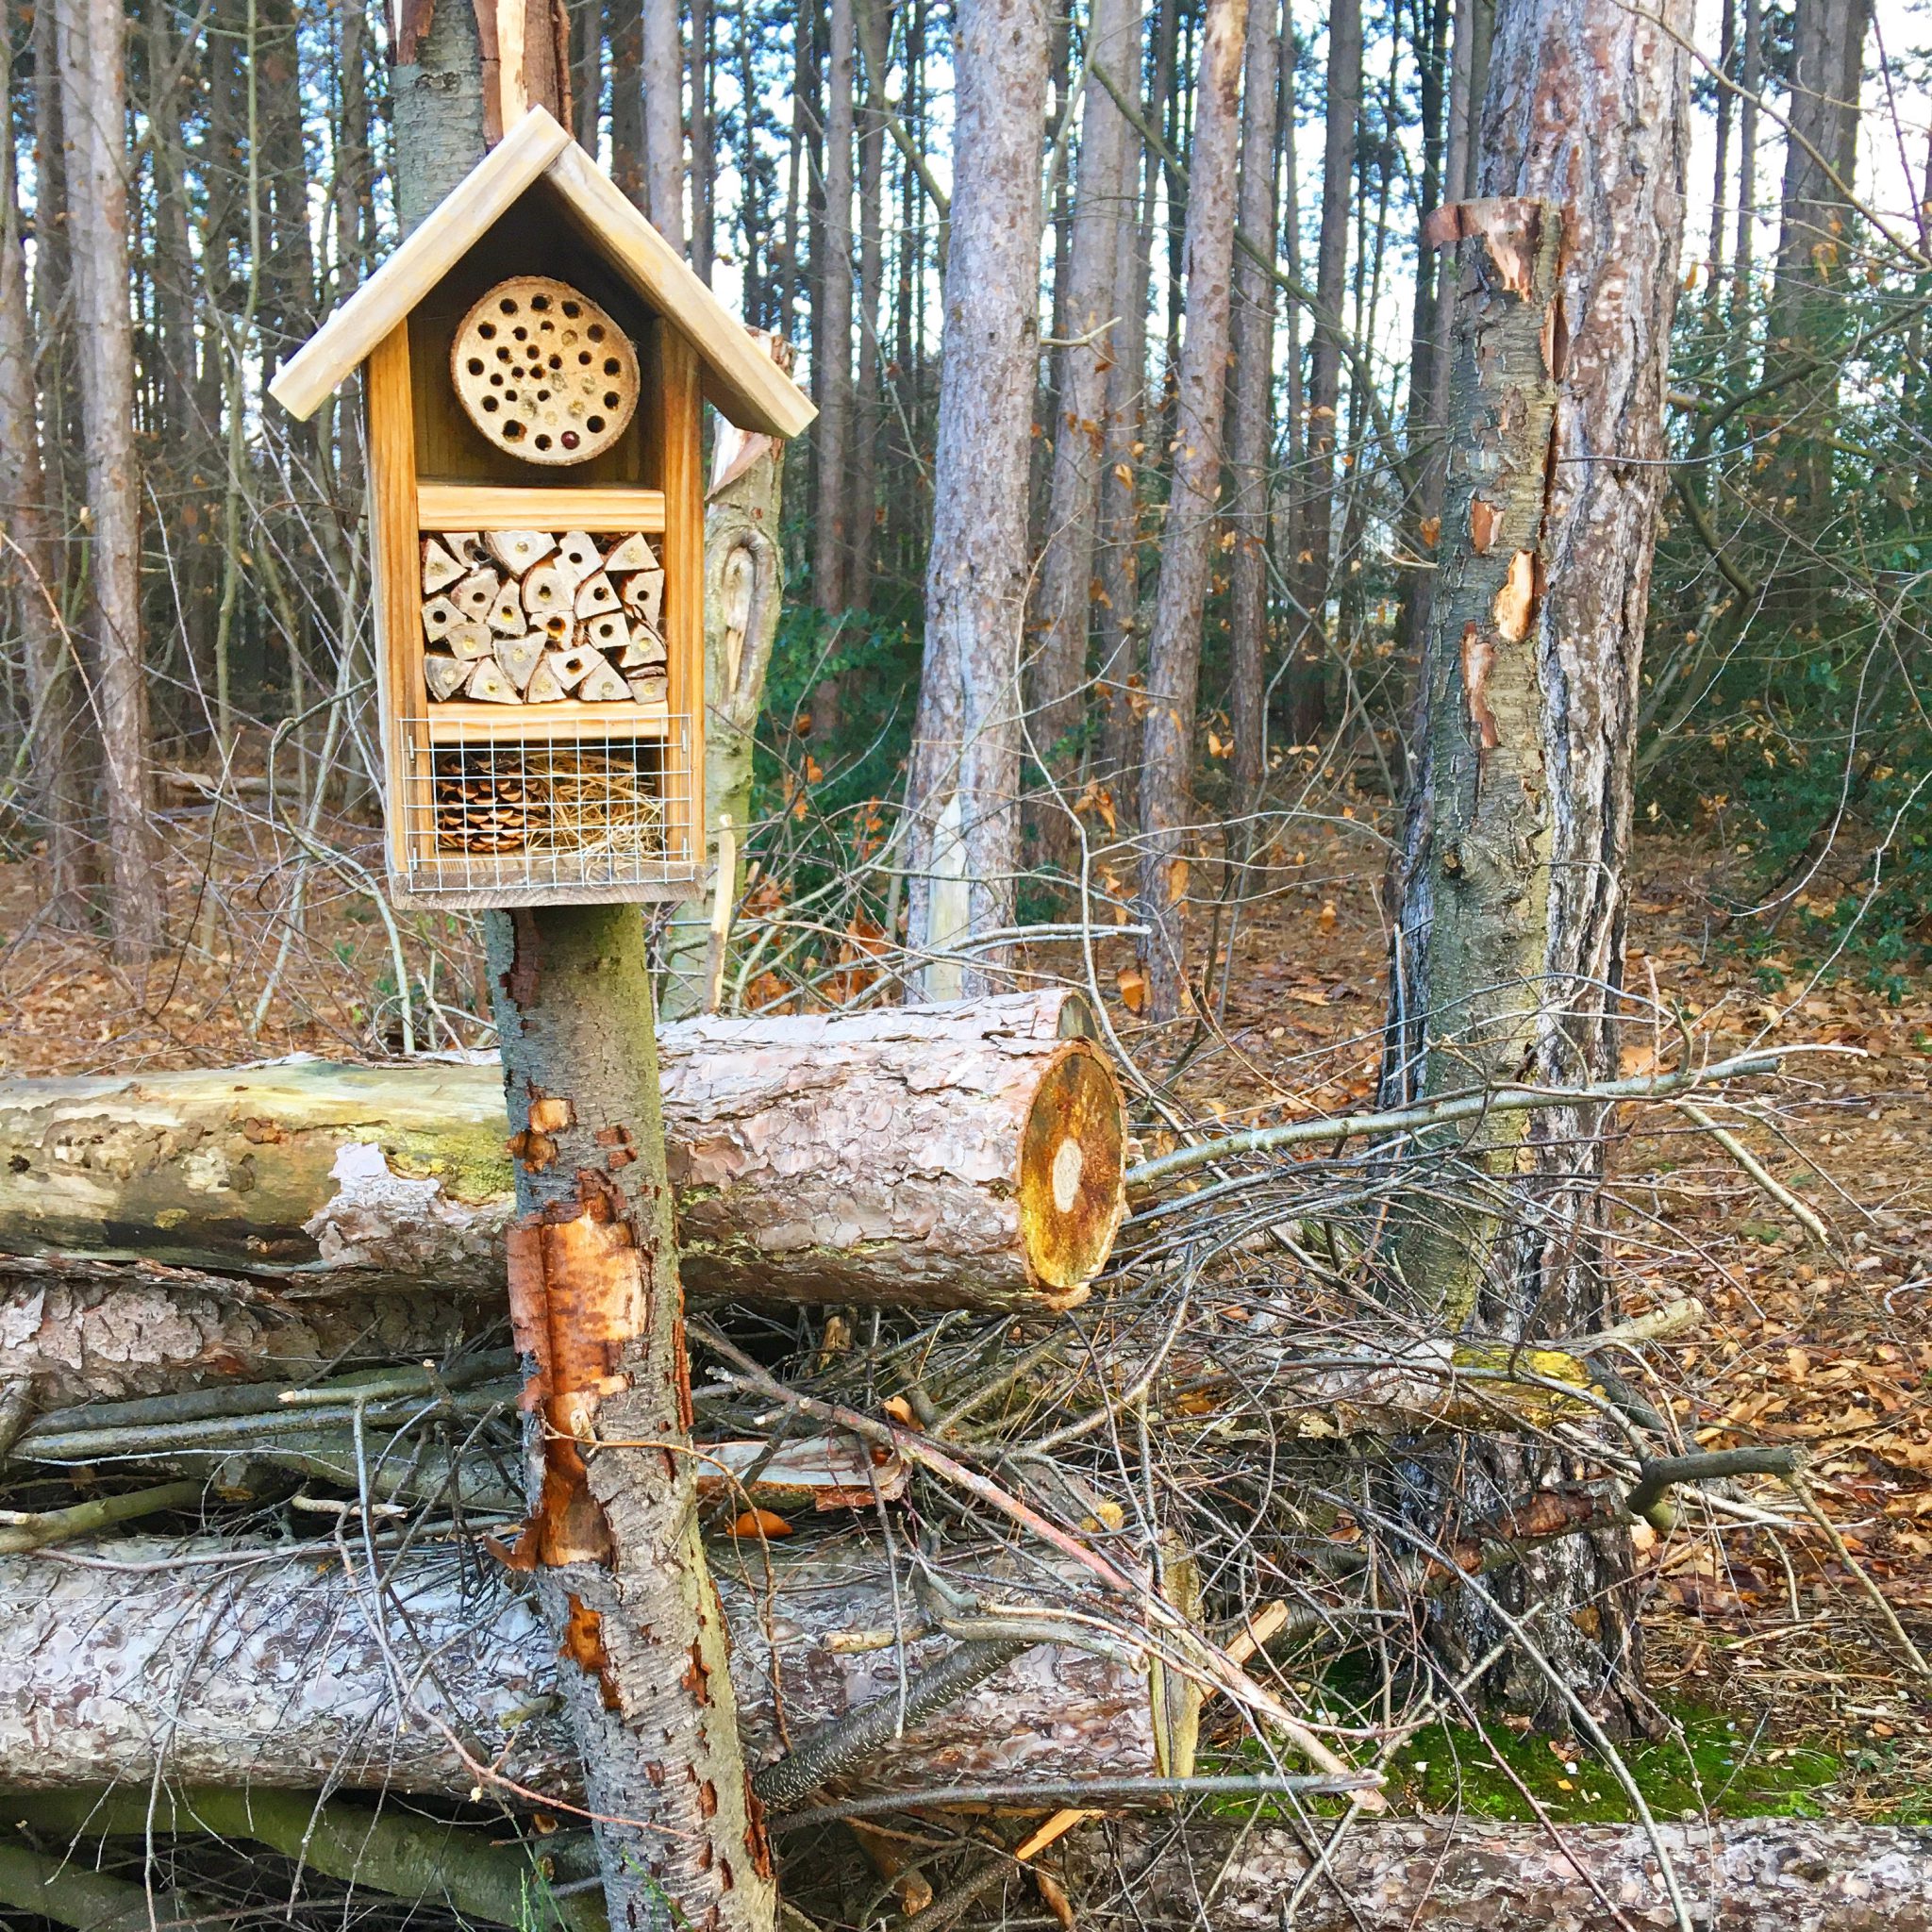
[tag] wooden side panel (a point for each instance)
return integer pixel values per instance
(391, 440)
(684, 579)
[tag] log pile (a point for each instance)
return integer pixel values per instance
(216, 1224)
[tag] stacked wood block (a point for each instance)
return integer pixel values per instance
(526, 617)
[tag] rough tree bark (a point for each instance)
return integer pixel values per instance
(948, 1156)
(1187, 549)
(596, 1299)
(1307, 677)
(31, 563)
(90, 35)
(744, 585)
(1744, 1874)
(1091, 326)
(1251, 435)
(1509, 882)
(963, 787)
(275, 1673)
(874, 33)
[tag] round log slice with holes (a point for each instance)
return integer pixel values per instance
(544, 372)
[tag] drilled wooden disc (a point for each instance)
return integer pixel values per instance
(544, 372)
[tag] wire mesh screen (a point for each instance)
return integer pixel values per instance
(560, 807)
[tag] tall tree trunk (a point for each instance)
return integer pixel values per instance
(704, 234)
(1121, 628)
(597, 1308)
(1509, 883)
(1720, 160)
(587, 71)
(663, 78)
(963, 791)
(93, 91)
(626, 18)
(1307, 677)
(1809, 311)
(832, 327)
(1251, 437)
(874, 31)
(1090, 325)
(1747, 159)
(1186, 548)
(30, 562)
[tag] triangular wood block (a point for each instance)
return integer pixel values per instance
(477, 592)
(444, 675)
(517, 550)
(644, 647)
(634, 553)
(520, 658)
(559, 631)
(547, 591)
(467, 547)
(489, 686)
(595, 594)
(437, 615)
(571, 667)
(644, 595)
(507, 614)
(602, 685)
(651, 689)
(578, 554)
(468, 641)
(545, 689)
(609, 632)
(440, 569)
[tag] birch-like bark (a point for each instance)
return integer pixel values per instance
(963, 791)
(1510, 886)
(1173, 644)
(93, 94)
(1251, 434)
(1091, 325)
(29, 562)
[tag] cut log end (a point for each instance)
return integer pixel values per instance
(1071, 1165)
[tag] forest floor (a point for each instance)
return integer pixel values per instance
(1772, 1649)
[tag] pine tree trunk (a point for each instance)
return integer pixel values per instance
(627, 19)
(1251, 435)
(965, 776)
(1187, 549)
(832, 333)
(31, 564)
(703, 209)
(91, 36)
(596, 1302)
(662, 73)
(1509, 883)
(874, 28)
(1307, 675)
(1090, 325)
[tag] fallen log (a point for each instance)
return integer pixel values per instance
(1741, 1874)
(237, 1663)
(961, 1156)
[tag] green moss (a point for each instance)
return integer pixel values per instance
(471, 1162)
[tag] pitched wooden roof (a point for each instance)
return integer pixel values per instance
(740, 377)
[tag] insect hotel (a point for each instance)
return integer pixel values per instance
(536, 358)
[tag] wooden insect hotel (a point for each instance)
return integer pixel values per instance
(536, 358)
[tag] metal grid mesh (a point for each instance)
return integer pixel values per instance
(566, 808)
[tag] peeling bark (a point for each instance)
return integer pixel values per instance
(292, 1673)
